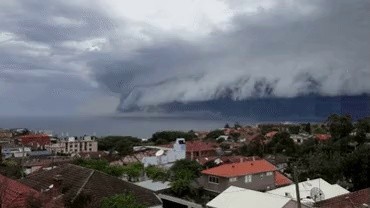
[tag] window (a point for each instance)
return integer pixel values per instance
(89, 149)
(213, 179)
(233, 179)
(90, 144)
(248, 178)
(269, 174)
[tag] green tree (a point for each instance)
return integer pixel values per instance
(363, 125)
(121, 201)
(122, 144)
(183, 173)
(134, 171)
(170, 136)
(307, 127)
(339, 126)
(294, 129)
(282, 143)
(356, 167)
(156, 173)
(215, 134)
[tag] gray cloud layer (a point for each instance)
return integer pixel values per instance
(285, 52)
(293, 48)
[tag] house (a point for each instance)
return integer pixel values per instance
(223, 138)
(14, 194)
(359, 198)
(32, 165)
(281, 180)
(73, 145)
(300, 138)
(8, 151)
(236, 197)
(165, 157)
(218, 160)
(280, 161)
(311, 191)
(35, 141)
(83, 187)
(5, 134)
(322, 137)
(271, 134)
(135, 157)
(256, 175)
(198, 148)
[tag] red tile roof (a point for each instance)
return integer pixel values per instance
(34, 140)
(281, 180)
(322, 137)
(240, 169)
(200, 146)
(226, 159)
(14, 193)
(353, 199)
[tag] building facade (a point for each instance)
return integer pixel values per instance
(72, 145)
(256, 175)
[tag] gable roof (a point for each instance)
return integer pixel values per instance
(14, 193)
(76, 180)
(240, 169)
(235, 197)
(353, 199)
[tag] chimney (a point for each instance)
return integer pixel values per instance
(58, 180)
(242, 159)
(254, 159)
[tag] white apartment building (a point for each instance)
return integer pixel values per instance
(71, 145)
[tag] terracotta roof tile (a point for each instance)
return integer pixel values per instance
(240, 169)
(322, 137)
(271, 134)
(281, 180)
(353, 199)
(97, 185)
(14, 193)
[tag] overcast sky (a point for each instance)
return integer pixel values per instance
(91, 57)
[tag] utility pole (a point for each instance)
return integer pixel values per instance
(297, 187)
(22, 161)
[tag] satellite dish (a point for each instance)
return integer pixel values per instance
(159, 153)
(317, 194)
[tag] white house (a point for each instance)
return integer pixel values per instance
(235, 197)
(311, 191)
(166, 156)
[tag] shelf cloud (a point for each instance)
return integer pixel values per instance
(187, 52)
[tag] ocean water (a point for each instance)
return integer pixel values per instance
(142, 127)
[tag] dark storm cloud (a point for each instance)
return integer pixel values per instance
(291, 49)
(53, 21)
(319, 47)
